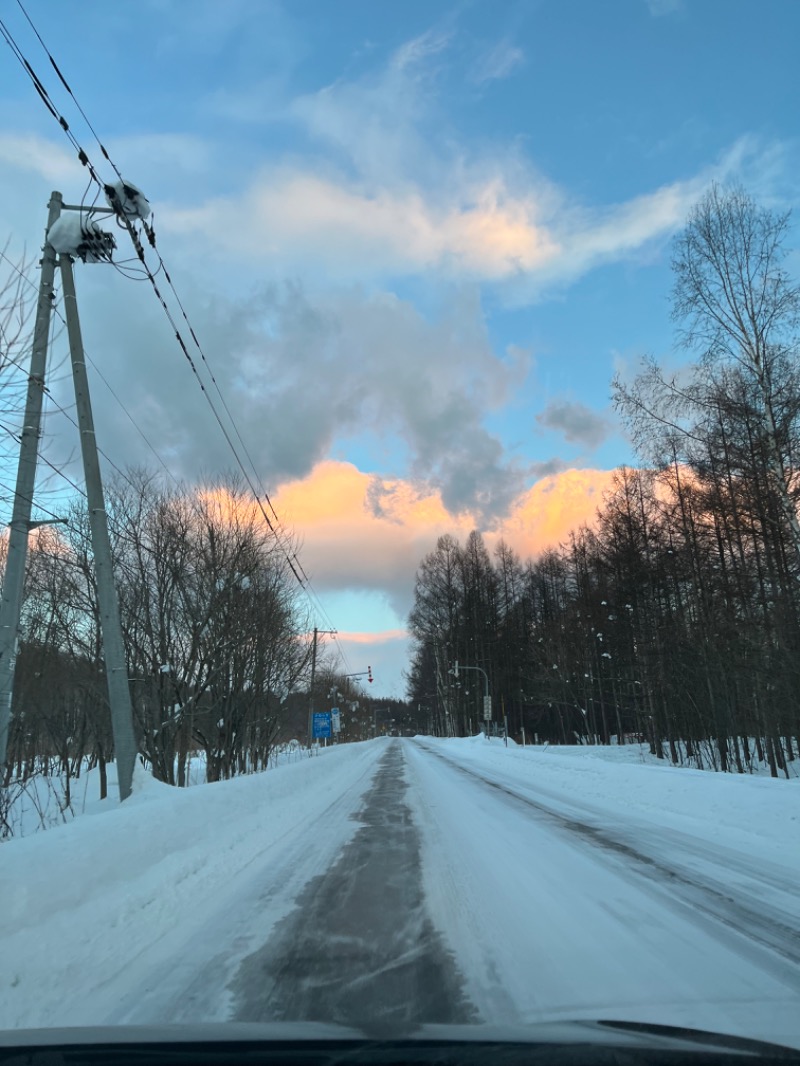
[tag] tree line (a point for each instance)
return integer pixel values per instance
(675, 617)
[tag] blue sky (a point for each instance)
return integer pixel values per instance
(417, 241)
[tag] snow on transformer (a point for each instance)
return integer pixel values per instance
(128, 201)
(76, 235)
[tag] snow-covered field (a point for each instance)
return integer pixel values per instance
(579, 882)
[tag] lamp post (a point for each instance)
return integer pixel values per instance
(487, 699)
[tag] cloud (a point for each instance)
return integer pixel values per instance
(385, 189)
(39, 155)
(543, 516)
(415, 51)
(491, 222)
(348, 545)
(348, 231)
(498, 63)
(300, 370)
(382, 637)
(660, 8)
(314, 368)
(576, 422)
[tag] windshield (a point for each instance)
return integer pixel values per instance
(400, 619)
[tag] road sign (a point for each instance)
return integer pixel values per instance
(487, 708)
(322, 724)
(336, 720)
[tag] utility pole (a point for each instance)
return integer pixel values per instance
(20, 526)
(327, 632)
(119, 695)
(311, 691)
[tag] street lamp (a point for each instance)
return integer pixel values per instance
(487, 699)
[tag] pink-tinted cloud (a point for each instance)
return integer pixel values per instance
(382, 637)
(364, 532)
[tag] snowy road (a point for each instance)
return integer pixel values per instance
(554, 911)
(470, 894)
(360, 946)
(399, 882)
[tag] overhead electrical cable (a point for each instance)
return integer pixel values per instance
(149, 230)
(273, 524)
(100, 374)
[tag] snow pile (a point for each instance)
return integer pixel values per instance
(43, 801)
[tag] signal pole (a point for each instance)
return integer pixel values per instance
(20, 525)
(119, 695)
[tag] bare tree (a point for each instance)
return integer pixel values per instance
(736, 304)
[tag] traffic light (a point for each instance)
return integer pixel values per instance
(369, 674)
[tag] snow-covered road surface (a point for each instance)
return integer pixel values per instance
(398, 882)
(360, 949)
(558, 910)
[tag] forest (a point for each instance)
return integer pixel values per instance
(674, 617)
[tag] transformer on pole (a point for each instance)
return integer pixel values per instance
(71, 233)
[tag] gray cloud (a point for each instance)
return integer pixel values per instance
(576, 422)
(298, 371)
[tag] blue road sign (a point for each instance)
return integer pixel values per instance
(322, 724)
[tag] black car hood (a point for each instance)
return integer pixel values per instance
(598, 1041)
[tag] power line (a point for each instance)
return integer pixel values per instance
(99, 373)
(151, 237)
(290, 556)
(48, 103)
(63, 81)
(310, 591)
(149, 230)
(66, 413)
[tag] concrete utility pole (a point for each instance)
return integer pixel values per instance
(119, 695)
(317, 632)
(311, 690)
(20, 526)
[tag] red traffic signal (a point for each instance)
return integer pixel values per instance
(369, 674)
